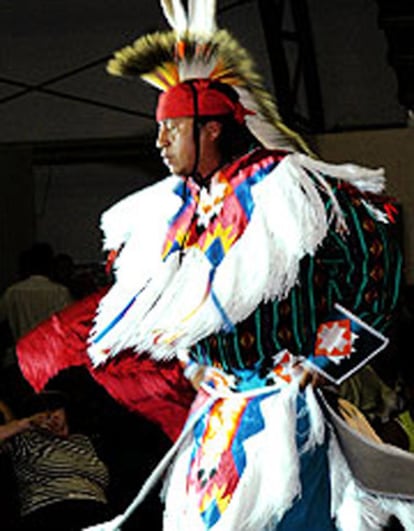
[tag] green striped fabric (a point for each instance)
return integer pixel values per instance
(361, 270)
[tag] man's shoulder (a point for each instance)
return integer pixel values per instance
(16, 286)
(258, 157)
(260, 153)
(14, 291)
(27, 282)
(34, 284)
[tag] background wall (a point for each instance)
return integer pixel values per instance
(17, 216)
(359, 87)
(391, 149)
(69, 199)
(53, 54)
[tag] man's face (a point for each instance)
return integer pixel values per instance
(176, 144)
(55, 421)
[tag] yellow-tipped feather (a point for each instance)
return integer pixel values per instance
(165, 59)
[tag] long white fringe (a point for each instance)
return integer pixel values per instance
(288, 222)
(270, 481)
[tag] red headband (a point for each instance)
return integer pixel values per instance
(178, 102)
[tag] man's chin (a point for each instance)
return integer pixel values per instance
(168, 164)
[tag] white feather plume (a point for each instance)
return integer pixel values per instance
(196, 68)
(175, 14)
(263, 128)
(202, 17)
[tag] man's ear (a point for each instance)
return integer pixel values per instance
(213, 129)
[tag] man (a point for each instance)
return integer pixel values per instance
(249, 247)
(36, 296)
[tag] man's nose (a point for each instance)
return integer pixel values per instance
(162, 138)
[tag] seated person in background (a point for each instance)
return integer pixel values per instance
(399, 430)
(60, 479)
(371, 395)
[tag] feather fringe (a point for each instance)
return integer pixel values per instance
(170, 311)
(363, 178)
(263, 124)
(270, 482)
(288, 221)
(268, 485)
(209, 53)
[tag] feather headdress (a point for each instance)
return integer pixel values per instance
(196, 49)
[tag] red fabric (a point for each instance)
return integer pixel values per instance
(158, 391)
(178, 101)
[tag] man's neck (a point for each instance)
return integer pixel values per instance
(204, 175)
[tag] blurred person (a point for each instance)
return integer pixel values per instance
(24, 305)
(371, 395)
(79, 280)
(33, 299)
(63, 269)
(399, 429)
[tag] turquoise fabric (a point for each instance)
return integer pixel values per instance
(311, 512)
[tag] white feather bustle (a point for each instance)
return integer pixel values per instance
(288, 222)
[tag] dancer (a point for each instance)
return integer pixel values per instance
(258, 258)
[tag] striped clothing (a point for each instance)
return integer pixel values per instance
(50, 469)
